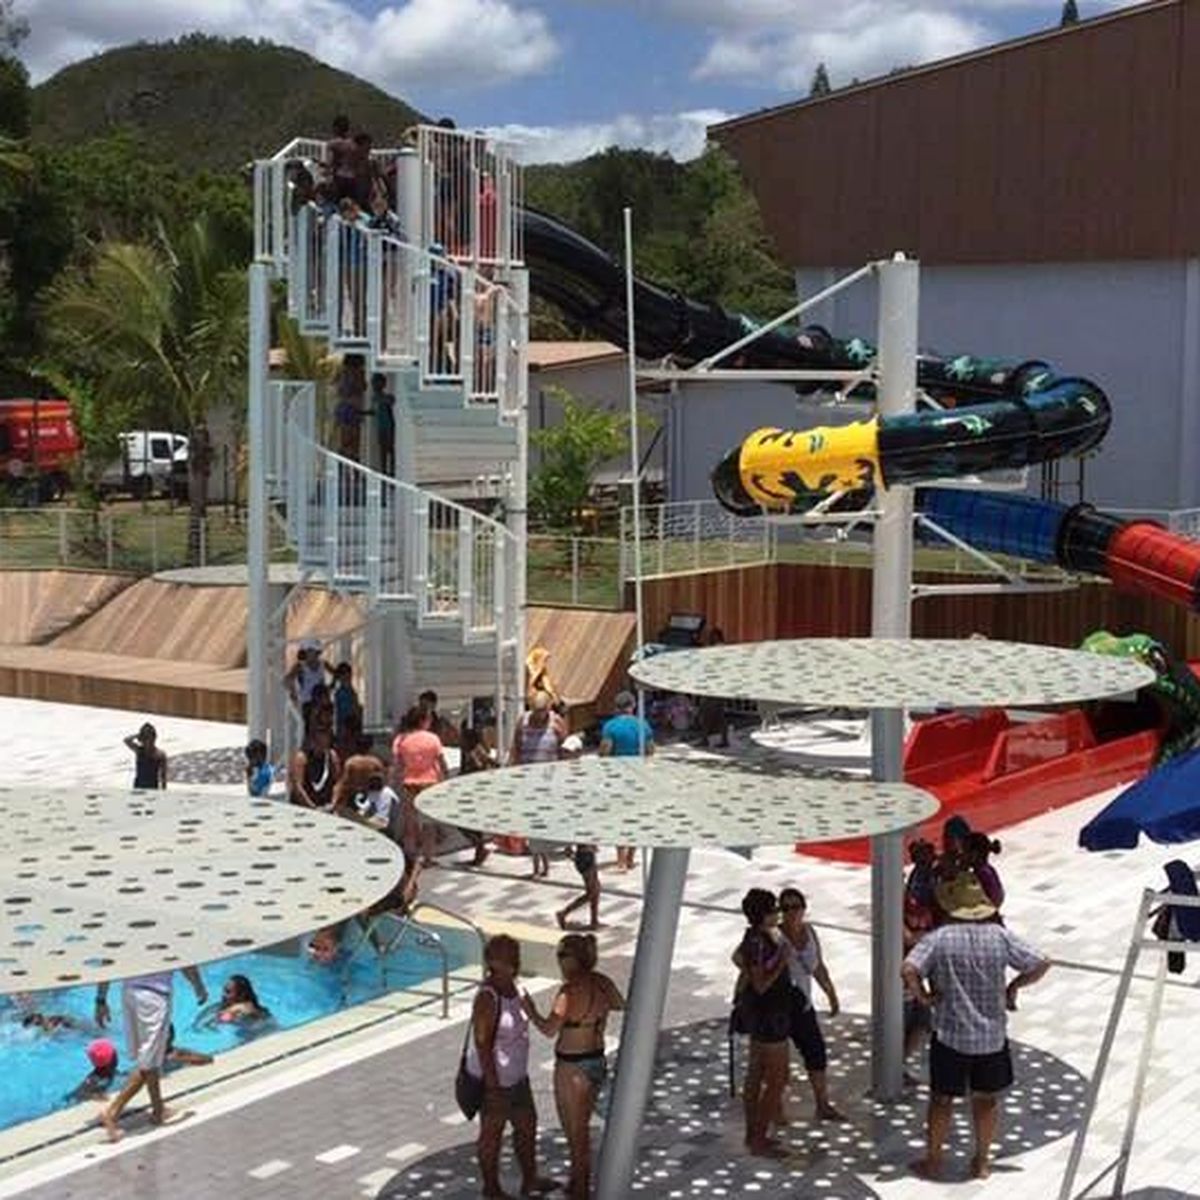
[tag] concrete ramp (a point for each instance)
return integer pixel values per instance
(40, 605)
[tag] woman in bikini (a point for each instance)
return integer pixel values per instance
(577, 1019)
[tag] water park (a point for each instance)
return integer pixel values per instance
(415, 851)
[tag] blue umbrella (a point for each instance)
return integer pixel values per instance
(1165, 806)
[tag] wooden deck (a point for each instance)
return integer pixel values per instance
(40, 605)
(146, 685)
(179, 649)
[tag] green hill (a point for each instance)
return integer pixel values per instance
(209, 103)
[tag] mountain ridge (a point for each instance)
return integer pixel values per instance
(207, 103)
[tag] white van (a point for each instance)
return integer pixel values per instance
(152, 462)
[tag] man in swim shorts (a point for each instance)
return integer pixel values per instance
(146, 1001)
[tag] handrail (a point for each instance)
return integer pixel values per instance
(405, 923)
(404, 485)
(457, 916)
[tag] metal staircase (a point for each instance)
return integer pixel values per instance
(449, 325)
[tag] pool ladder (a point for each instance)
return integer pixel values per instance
(387, 931)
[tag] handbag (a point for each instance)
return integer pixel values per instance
(468, 1089)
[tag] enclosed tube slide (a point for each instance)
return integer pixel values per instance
(588, 285)
(1138, 556)
(1006, 415)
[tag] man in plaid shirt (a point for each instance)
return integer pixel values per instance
(959, 971)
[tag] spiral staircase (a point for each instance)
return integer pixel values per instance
(441, 576)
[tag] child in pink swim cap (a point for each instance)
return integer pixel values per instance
(102, 1054)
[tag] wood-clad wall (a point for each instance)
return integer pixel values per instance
(794, 600)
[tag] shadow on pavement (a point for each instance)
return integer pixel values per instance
(691, 1141)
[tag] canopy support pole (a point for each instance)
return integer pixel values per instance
(891, 617)
(643, 1019)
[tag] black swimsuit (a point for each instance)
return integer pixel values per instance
(145, 771)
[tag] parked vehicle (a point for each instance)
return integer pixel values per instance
(153, 462)
(39, 446)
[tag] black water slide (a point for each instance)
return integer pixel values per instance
(588, 285)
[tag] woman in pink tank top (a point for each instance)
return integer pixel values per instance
(418, 762)
(498, 1053)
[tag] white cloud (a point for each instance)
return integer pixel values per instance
(778, 43)
(682, 135)
(406, 42)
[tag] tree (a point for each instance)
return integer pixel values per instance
(571, 454)
(15, 163)
(1070, 13)
(13, 29)
(820, 82)
(165, 323)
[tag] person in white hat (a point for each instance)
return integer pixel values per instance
(959, 971)
(306, 672)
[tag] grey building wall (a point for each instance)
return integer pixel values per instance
(605, 385)
(1133, 327)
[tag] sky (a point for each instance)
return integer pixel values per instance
(569, 77)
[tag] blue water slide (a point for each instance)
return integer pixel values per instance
(999, 524)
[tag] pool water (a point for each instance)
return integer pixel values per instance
(38, 1069)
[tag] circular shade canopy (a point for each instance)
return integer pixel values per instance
(100, 886)
(673, 802)
(883, 673)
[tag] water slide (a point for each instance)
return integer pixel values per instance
(999, 415)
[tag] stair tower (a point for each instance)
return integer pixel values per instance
(434, 295)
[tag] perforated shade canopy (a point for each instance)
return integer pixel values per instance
(105, 885)
(680, 803)
(883, 673)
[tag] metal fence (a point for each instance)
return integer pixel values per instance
(129, 541)
(692, 535)
(580, 571)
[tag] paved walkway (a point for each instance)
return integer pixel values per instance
(386, 1126)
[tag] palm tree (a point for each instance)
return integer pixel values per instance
(164, 324)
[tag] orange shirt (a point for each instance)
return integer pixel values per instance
(417, 757)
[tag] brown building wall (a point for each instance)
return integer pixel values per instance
(1072, 145)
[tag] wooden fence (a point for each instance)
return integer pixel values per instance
(785, 600)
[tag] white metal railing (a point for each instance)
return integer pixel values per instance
(374, 293)
(308, 288)
(360, 531)
(693, 535)
(473, 192)
(398, 293)
(346, 282)
(288, 401)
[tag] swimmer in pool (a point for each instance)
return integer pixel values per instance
(102, 1054)
(239, 1002)
(181, 1056)
(48, 1022)
(324, 946)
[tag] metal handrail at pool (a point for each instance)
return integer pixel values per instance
(407, 923)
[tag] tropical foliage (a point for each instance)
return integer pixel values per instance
(160, 325)
(571, 453)
(697, 225)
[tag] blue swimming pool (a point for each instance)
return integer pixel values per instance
(40, 1069)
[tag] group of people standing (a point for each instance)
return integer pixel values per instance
(497, 1055)
(779, 959)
